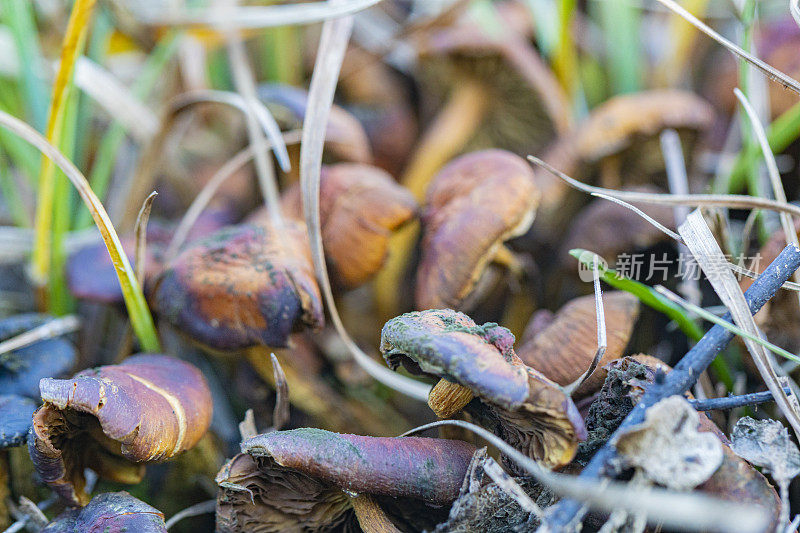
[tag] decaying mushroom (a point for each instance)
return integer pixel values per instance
(113, 419)
(360, 206)
(21, 369)
(110, 512)
(245, 285)
(522, 406)
(475, 203)
(564, 349)
(312, 480)
(344, 136)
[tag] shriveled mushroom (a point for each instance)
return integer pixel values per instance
(360, 207)
(113, 419)
(345, 136)
(521, 405)
(244, 285)
(110, 512)
(564, 349)
(475, 203)
(311, 479)
(21, 369)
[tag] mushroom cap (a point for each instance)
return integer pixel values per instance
(244, 285)
(360, 206)
(21, 369)
(474, 204)
(521, 405)
(344, 135)
(403, 467)
(15, 419)
(596, 227)
(112, 418)
(565, 348)
(110, 512)
(615, 124)
(448, 344)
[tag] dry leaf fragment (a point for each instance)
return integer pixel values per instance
(110, 512)
(766, 443)
(115, 418)
(669, 447)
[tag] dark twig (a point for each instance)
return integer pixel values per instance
(678, 381)
(732, 402)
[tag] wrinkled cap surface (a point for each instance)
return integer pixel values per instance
(474, 204)
(448, 344)
(15, 419)
(110, 512)
(360, 207)
(344, 134)
(21, 369)
(113, 418)
(564, 349)
(243, 286)
(614, 125)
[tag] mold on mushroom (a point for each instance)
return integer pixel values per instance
(243, 286)
(311, 479)
(114, 419)
(564, 349)
(474, 204)
(360, 207)
(518, 403)
(21, 369)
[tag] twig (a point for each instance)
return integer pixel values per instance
(678, 381)
(732, 402)
(208, 506)
(48, 330)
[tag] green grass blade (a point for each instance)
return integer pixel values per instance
(620, 22)
(10, 195)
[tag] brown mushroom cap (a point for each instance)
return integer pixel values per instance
(522, 406)
(614, 125)
(115, 418)
(360, 207)
(300, 479)
(564, 349)
(474, 204)
(245, 285)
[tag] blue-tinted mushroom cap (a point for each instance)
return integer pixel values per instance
(110, 512)
(16, 413)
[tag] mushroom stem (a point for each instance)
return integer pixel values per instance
(505, 257)
(447, 398)
(370, 516)
(446, 137)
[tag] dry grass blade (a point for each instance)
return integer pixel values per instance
(54, 328)
(140, 232)
(602, 336)
(280, 415)
(709, 256)
(690, 511)
(697, 200)
(246, 85)
(210, 188)
(794, 8)
(771, 72)
(772, 170)
(116, 99)
(505, 482)
(140, 316)
(206, 507)
(262, 16)
(332, 46)
(641, 213)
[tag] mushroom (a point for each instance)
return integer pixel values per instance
(344, 136)
(360, 206)
(475, 203)
(15, 420)
(110, 512)
(311, 479)
(521, 405)
(21, 369)
(565, 348)
(244, 285)
(115, 418)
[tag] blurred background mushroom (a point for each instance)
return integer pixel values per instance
(311, 479)
(114, 419)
